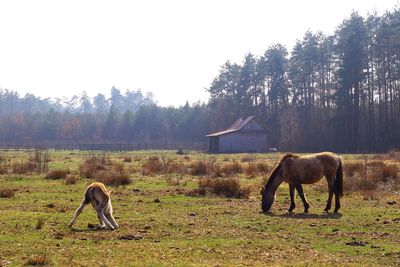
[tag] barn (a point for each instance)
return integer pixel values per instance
(243, 136)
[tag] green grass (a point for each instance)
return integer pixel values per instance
(182, 230)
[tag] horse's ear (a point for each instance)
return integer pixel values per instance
(110, 192)
(262, 189)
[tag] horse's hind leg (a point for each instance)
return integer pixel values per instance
(292, 203)
(303, 197)
(337, 202)
(331, 185)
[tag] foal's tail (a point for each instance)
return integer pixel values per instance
(339, 179)
(88, 195)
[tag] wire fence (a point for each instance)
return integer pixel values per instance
(105, 147)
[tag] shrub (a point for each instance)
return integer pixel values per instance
(357, 183)
(153, 165)
(6, 193)
(232, 168)
(112, 177)
(198, 168)
(105, 171)
(23, 167)
(394, 155)
(39, 223)
(390, 171)
(3, 169)
(57, 174)
(248, 158)
(367, 176)
(251, 170)
(38, 260)
(92, 165)
(225, 187)
(351, 168)
(262, 167)
(127, 159)
(176, 167)
(71, 179)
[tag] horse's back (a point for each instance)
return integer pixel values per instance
(329, 161)
(309, 169)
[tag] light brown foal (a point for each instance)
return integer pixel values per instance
(100, 198)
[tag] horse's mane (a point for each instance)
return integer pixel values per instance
(275, 171)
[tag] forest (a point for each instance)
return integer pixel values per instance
(338, 92)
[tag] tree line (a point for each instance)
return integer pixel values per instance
(337, 92)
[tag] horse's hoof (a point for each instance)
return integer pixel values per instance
(305, 211)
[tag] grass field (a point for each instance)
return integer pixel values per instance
(161, 225)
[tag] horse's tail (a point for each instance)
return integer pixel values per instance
(339, 179)
(88, 195)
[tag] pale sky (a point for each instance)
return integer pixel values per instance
(173, 48)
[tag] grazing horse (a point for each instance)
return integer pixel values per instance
(297, 170)
(100, 198)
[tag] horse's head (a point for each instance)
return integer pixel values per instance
(274, 180)
(268, 198)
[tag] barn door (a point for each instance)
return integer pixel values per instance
(214, 144)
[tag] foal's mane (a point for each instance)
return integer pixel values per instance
(275, 171)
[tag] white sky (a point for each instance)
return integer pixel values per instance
(173, 48)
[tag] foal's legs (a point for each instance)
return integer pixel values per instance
(292, 203)
(108, 212)
(111, 219)
(101, 222)
(303, 197)
(100, 214)
(331, 188)
(77, 212)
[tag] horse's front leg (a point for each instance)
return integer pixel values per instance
(292, 203)
(303, 197)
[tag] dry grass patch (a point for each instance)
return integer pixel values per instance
(92, 165)
(127, 159)
(112, 177)
(23, 167)
(252, 169)
(57, 174)
(6, 193)
(38, 260)
(105, 171)
(3, 169)
(224, 187)
(152, 166)
(199, 168)
(364, 175)
(71, 179)
(232, 168)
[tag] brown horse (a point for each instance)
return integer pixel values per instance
(297, 170)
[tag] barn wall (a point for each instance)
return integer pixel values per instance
(242, 142)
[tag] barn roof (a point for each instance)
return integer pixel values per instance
(236, 126)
